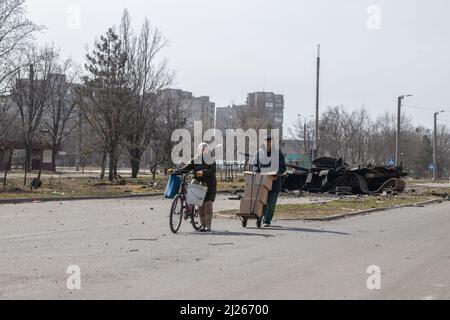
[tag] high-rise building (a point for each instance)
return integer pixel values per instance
(269, 106)
(228, 117)
(265, 106)
(195, 108)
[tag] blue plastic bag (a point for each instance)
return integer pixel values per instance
(173, 186)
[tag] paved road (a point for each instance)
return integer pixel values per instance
(126, 251)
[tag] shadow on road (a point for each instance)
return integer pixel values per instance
(230, 233)
(277, 228)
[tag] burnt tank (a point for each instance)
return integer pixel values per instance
(335, 176)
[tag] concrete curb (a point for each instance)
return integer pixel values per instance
(369, 211)
(82, 198)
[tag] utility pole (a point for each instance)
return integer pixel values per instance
(29, 135)
(435, 146)
(397, 138)
(304, 137)
(316, 148)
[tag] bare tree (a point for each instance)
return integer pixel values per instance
(8, 116)
(305, 133)
(31, 94)
(172, 116)
(146, 78)
(355, 137)
(15, 33)
(157, 158)
(8, 136)
(443, 151)
(61, 109)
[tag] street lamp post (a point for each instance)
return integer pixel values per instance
(435, 145)
(397, 139)
(316, 147)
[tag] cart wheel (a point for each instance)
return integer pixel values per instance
(244, 222)
(259, 223)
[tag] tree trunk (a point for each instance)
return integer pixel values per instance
(111, 170)
(7, 167)
(2, 154)
(135, 162)
(135, 166)
(153, 170)
(40, 168)
(54, 154)
(115, 168)
(112, 165)
(103, 166)
(28, 161)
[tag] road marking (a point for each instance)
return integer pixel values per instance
(428, 298)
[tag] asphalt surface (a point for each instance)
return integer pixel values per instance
(125, 250)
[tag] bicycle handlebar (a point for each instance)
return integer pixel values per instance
(182, 173)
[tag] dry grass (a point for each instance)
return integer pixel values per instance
(68, 187)
(439, 192)
(346, 206)
(340, 206)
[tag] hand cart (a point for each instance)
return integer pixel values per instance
(254, 195)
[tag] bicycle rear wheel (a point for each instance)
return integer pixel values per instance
(176, 214)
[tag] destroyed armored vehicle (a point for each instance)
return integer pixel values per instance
(335, 176)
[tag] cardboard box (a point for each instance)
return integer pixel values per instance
(252, 206)
(260, 193)
(258, 179)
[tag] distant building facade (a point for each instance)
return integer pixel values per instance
(270, 106)
(199, 109)
(267, 106)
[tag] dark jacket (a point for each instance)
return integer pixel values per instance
(258, 166)
(208, 179)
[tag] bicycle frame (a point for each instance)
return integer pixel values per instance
(189, 210)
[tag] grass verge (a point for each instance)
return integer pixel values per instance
(340, 206)
(67, 187)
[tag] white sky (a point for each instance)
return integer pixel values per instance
(226, 48)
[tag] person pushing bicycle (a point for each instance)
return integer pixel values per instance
(205, 174)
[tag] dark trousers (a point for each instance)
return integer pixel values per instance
(206, 214)
(270, 207)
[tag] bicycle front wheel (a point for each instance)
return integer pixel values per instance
(176, 214)
(195, 219)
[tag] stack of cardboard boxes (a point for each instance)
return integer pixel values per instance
(257, 188)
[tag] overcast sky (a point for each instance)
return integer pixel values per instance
(226, 48)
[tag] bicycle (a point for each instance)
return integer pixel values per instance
(181, 210)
